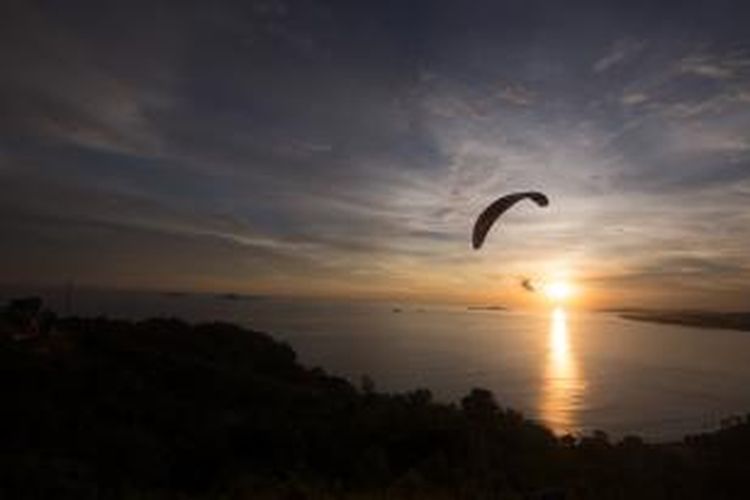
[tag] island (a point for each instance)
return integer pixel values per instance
(691, 318)
(487, 308)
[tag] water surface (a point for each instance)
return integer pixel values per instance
(575, 371)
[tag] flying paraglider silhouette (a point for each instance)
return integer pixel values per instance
(493, 212)
(527, 285)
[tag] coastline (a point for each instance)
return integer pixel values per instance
(696, 319)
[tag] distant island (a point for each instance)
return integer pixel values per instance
(697, 319)
(487, 308)
(236, 296)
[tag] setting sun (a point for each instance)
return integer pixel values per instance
(558, 291)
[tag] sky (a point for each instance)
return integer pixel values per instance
(343, 149)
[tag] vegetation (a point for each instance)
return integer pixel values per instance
(101, 408)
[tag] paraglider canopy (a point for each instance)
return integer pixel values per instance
(493, 212)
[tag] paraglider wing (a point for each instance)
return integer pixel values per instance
(528, 285)
(490, 214)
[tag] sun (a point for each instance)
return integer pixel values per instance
(558, 291)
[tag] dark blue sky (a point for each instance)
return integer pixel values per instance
(321, 147)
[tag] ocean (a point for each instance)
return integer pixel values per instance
(573, 370)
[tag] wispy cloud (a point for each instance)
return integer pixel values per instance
(706, 65)
(620, 52)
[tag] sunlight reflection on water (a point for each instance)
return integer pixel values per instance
(563, 383)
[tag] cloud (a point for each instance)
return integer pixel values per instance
(695, 139)
(517, 94)
(621, 51)
(634, 98)
(710, 66)
(56, 92)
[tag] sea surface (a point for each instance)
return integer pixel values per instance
(575, 371)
